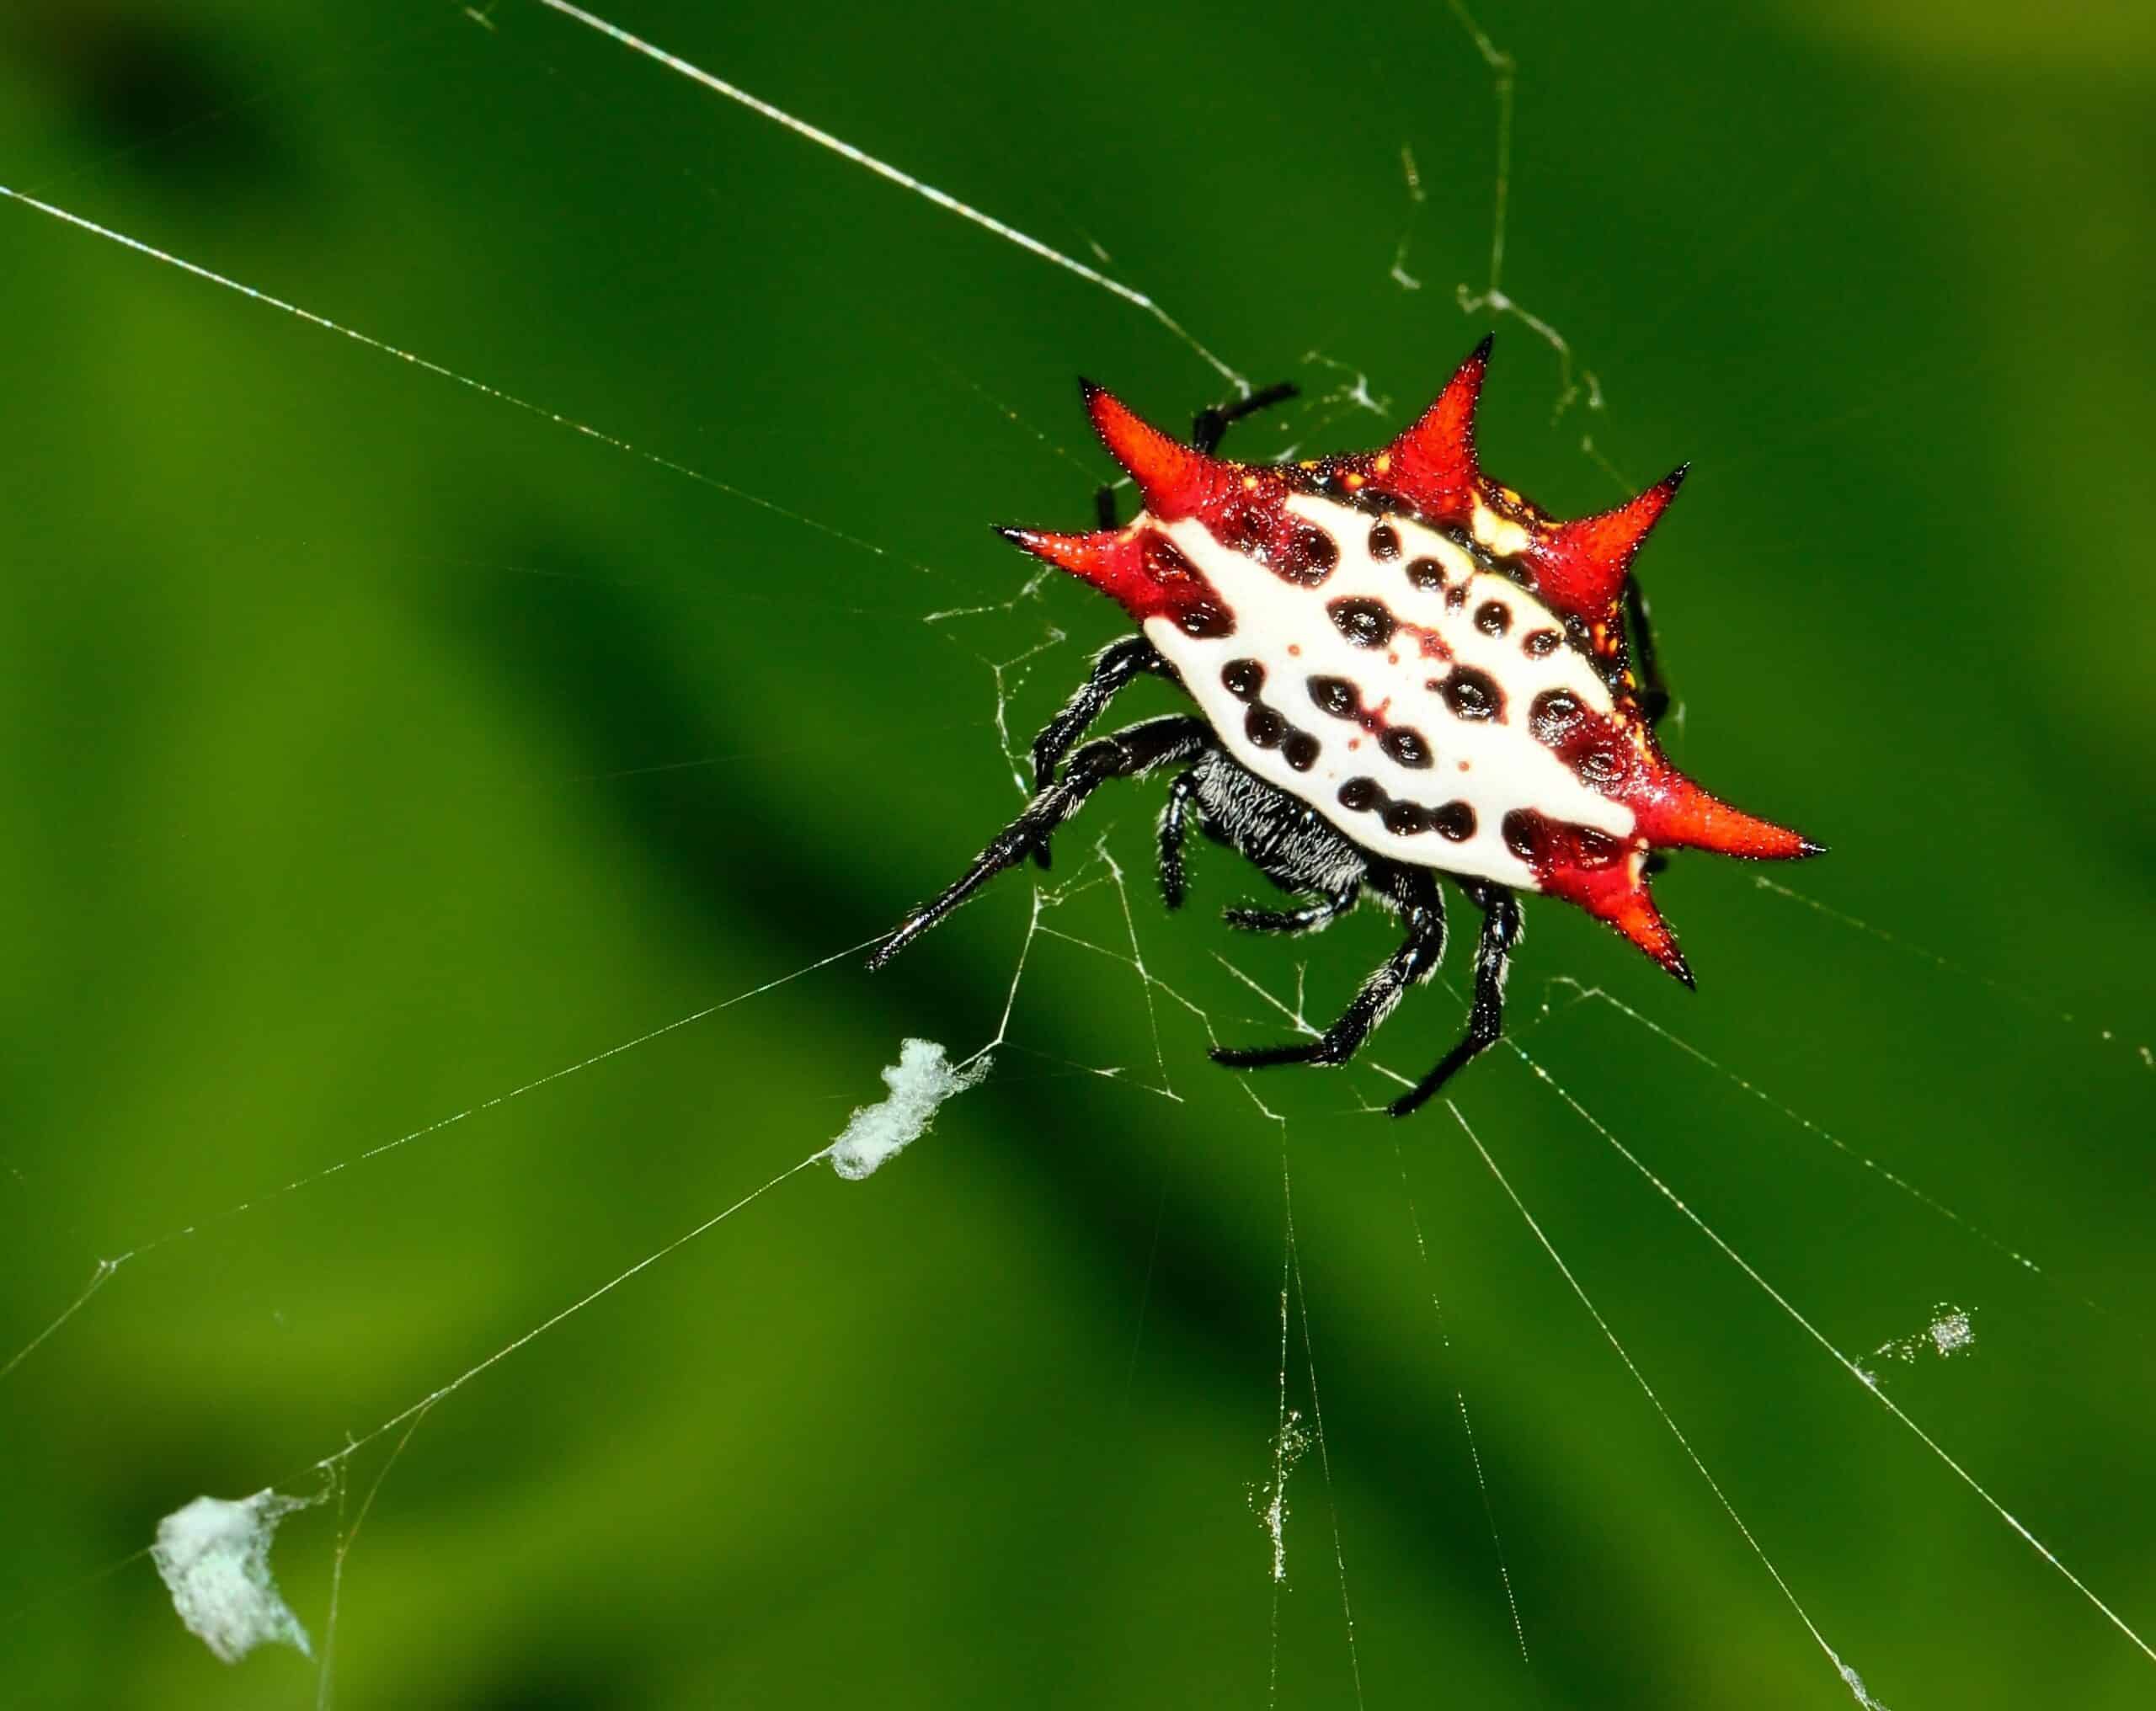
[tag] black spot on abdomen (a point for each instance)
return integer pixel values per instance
(1264, 725)
(1456, 821)
(1538, 839)
(1594, 849)
(1405, 745)
(1600, 768)
(1335, 696)
(1554, 713)
(1308, 557)
(1471, 693)
(1366, 623)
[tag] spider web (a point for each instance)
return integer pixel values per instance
(1568, 1407)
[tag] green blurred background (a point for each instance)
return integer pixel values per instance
(377, 748)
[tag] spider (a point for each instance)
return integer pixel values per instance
(1401, 669)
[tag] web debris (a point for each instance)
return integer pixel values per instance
(920, 1081)
(1270, 1499)
(1347, 394)
(1855, 1683)
(213, 1556)
(1418, 199)
(1948, 1334)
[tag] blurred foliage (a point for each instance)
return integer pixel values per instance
(379, 748)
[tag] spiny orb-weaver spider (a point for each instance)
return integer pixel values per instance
(1401, 669)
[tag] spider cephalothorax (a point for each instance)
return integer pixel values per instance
(1401, 669)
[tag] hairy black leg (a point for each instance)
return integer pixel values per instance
(1654, 693)
(1104, 508)
(1485, 1016)
(1211, 424)
(1115, 667)
(1130, 752)
(1175, 827)
(1309, 919)
(1414, 891)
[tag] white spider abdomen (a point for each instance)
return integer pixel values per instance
(1398, 689)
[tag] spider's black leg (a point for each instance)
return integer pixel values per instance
(1104, 507)
(1113, 669)
(1654, 693)
(1135, 749)
(1414, 892)
(1212, 423)
(1486, 1017)
(1309, 919)
(1175, 827)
